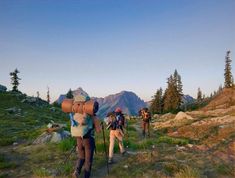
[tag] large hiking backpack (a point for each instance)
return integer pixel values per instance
(116, 121)
(146, 116)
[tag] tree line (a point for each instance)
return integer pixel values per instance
(170, 100)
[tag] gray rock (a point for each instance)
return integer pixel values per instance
(53, 137)
(3, 88)
(34, 101)
(59, 136)
(56, 137)
(53, 109)
(15, 144)
(13, 110)
(44, 138)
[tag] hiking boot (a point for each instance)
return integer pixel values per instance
(124, 153)
(110, 161)
(87, 174)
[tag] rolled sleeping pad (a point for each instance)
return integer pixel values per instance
(91, 107)
(67, 105)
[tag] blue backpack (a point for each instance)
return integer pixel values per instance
(117, 121)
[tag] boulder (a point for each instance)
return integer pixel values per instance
(13, 110)
(53, 137)
(59, 136)
(156, 116)
(54, 133)
(43, 138)
(181, 115)
(168, 116)
(3, 88)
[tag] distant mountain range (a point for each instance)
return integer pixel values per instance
(187, 99)
(128, 101)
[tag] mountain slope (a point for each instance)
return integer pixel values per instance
(128, 101)
(187, 99)
(23, 118)
(223, 100)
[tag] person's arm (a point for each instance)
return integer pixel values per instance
(96, 122)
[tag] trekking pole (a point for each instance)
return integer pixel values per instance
(105, 150)
(66, 159)
(70, 153)
(149, 128)
(127, 142)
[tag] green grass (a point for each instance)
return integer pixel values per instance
(4, 175)
(225, 169)
(5, 164)
(170, 168)
(172, 140)
(188, 172)
(41, 172)
(31, 123)
(67, 144)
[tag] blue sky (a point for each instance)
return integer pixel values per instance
(109, 46)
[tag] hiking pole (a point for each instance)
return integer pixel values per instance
(70, 153)
(127, 134)
(149, 129)
(105, 150)
(66, 158)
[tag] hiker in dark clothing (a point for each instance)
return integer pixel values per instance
(84, 134)
(145, 124)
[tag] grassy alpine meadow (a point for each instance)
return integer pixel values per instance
(163, 154)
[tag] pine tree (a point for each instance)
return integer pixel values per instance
(69, 94)
(15, 79)
(48, 95)
(179, 87)
(171, 95)
(38, 95)
(227, 72)
(199, 95)
(157, 102)
(220, 89)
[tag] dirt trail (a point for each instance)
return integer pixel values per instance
(102, 172)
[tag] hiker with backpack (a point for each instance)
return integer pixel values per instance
(145, 124)
(83, 128)
(116, 123)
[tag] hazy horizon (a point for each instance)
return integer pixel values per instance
(106, 47)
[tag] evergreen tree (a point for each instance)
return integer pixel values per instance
(227, 72)
(157, 102)
(171, 95)
(199, 95)
(69, 94)
(38, 95)
(15, 80)
(48, 95)
(220, 89)
(211, 95)
(179, 87)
